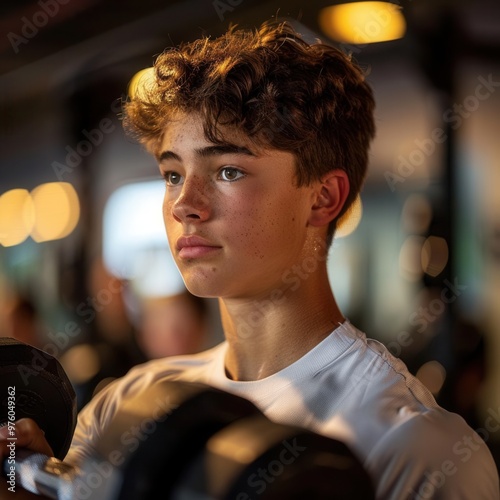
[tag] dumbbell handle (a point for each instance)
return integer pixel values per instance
(43, 475)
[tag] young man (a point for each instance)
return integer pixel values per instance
(263, 143)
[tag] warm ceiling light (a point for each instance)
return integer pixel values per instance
(16, 217)
(416, 215)
(433, 375)
(410, 266)
(350, 220)
(57, 211)
(434, 255)
(360, 23)
(141, 82)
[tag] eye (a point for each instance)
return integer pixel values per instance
(172, 178)
(230, 174)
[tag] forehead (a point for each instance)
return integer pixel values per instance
(184, 137)
(187, 131)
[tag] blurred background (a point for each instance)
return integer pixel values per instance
(85, 271)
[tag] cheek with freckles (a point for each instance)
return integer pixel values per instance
(265, 230)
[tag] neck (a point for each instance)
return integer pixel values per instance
(266, 334)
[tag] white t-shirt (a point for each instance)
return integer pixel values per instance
(347, 387)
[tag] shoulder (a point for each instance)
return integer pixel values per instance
(378, 376)
(145, 374)
(433, 454)
(95, 417)
(414, 448)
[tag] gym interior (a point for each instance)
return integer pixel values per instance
(85, 270)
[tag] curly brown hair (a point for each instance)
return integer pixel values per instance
(279, 90)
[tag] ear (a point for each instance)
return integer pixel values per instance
(333, 190)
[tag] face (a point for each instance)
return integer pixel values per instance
(235, 220)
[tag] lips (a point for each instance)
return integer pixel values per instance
(190, 247)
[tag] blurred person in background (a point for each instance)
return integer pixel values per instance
(170, 326)
(21, 320)
(109, 348)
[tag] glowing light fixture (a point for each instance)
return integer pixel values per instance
(410, 266)
(416, 215)
(16, 217)
(57, 211)
(363, 22)
(434, 255)
(81, 363)
(134, 243)
(350, 220)
(140, 82)
(433, 375)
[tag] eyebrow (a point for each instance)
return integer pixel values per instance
(208, 151)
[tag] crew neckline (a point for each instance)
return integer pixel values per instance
(313, 361)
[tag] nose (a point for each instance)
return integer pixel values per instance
(193, 202)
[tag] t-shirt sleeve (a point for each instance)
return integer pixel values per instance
(92, 421)
(434, 455)
(99, 412)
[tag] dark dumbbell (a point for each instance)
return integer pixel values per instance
(179, 440)
(34, 385)
(151, 441)
(175, 416)
(257, 458)
(216, 446)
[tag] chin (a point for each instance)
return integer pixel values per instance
(201, 288)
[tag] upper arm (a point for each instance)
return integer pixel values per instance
(433, 455)
(92, 421)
